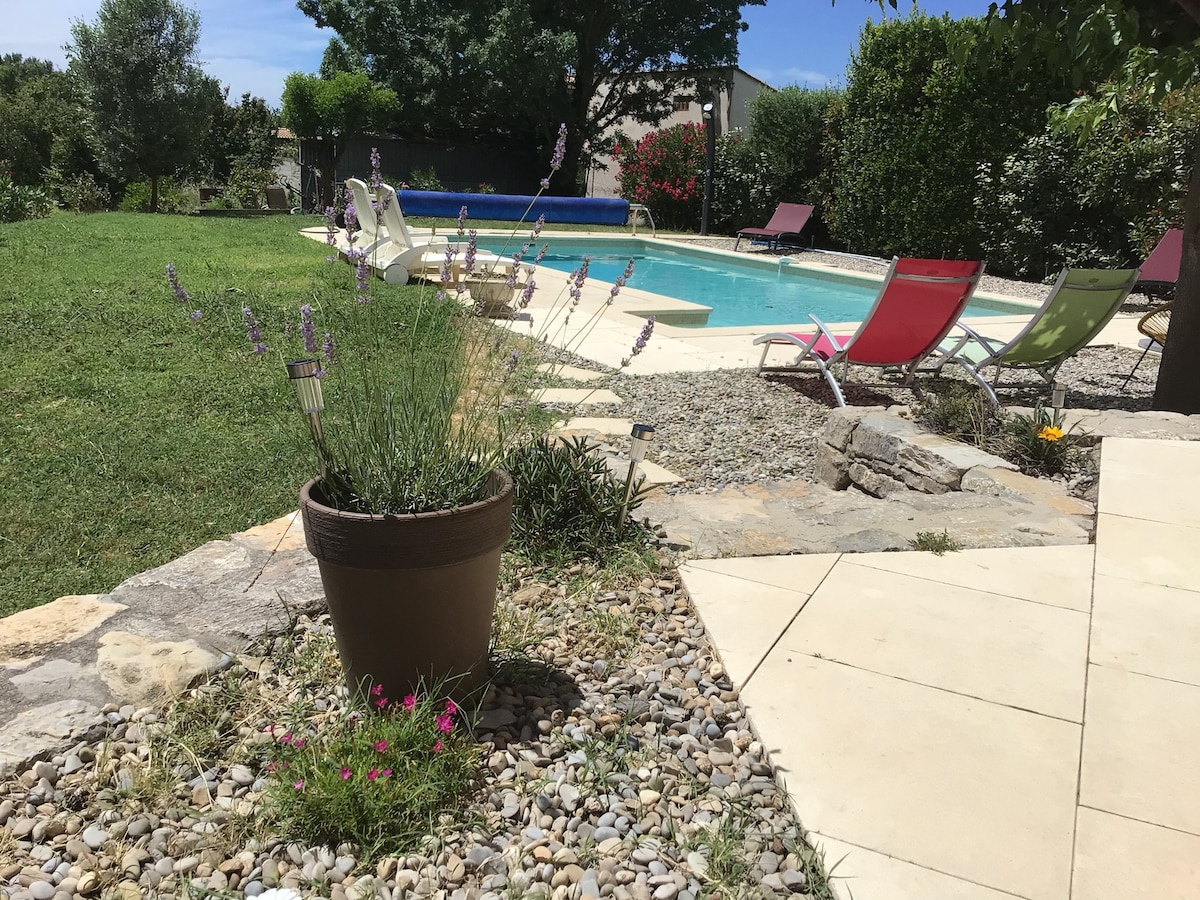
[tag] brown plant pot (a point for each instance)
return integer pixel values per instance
(411, 597)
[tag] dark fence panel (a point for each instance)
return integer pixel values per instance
(459, 166)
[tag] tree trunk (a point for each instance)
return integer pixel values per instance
(1178, 388)
(326, 161)
(153, 193)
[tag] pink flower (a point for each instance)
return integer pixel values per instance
(299, 785)
(437, 748)
(451, 709)
(345, 773)
(372, 775)
(286, 739)
(298, 743)
(377, 690)
(386, 772)
(445, 724)
(270, 768)
(381, 745)
(409, 702)
(381, 702)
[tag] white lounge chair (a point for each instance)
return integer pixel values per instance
(390, 248)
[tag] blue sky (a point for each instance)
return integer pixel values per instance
(252, 45)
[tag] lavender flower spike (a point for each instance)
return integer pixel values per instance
(172, 279)
(527, 293)
(376, 176)
(619, 282)
(642, 339)
(253, 332)
(307, 330)
(537, 227)
(329, 348)
(560, 153)
(462, 219)
(469, 258)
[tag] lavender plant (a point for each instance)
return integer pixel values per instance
(426, 434)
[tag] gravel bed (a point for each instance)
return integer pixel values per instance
(626, 768)
(726, 427)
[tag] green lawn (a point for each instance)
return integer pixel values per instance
(130, 434)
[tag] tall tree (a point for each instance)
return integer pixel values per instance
(332, 111)
(141, 80)
(521, 67)
(1155, 43)
(33, 104)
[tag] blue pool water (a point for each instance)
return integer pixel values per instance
(739, 293)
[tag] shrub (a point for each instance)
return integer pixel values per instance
(743, 188)
(425, 180)
(786, 130)
(1103, 201)
(665, 171)
(79, 192)
(248, 183)
(567, 502)
(173, 199)
(18, 202)
(960, 411)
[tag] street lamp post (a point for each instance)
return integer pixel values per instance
(710, 152)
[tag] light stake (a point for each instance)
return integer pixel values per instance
(640, 440)
(1058, 396)
(303, 374)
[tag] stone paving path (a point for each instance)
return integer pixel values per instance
(992, 723)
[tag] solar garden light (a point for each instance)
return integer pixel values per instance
(640, 440)
(710, 148)
(1058, 396)
(303, 374)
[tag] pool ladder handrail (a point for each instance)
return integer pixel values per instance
(634, 209)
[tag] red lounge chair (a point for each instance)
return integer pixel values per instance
(1160, 271)
(918, 304)
(789, 218)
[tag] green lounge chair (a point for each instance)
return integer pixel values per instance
(1080, 304)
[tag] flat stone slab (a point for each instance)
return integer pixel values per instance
(654, 474)
(583, 396)
(587, 425)
(570, 373)
(797, 517)
(150, 637)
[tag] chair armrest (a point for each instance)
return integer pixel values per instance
(824, 329)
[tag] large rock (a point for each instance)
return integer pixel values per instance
(27, 636)
(143, 671)
(30, 733)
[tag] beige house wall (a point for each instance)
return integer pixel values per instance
(741, 87)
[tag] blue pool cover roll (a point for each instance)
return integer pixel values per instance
(510, 207)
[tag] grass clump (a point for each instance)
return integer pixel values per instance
(935, 542)
(961, 412)
(1038, 443)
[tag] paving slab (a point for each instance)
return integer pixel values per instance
(1146, 628)
(581, 396)
(1147, 551)
(1119, 857)
(861, 874)
(975, 790)
(654, 474)
(1156, 480)
(594, 425)
(1014, 652)
(570, 373)
(748, 617)
(1140, 749)
(802, 573)
(1055, 576)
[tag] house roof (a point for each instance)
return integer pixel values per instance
(284, 134)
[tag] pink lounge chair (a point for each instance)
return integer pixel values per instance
(918, 304)
(1160, 271)
(789, 218)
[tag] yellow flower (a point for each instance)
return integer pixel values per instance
(1050, 433)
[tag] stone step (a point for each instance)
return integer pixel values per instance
(570, 373)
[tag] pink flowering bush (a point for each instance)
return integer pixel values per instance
(665, 171)
(379, 776)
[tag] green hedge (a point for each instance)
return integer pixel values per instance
(904, 150)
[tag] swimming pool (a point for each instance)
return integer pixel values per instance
(740, 293)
